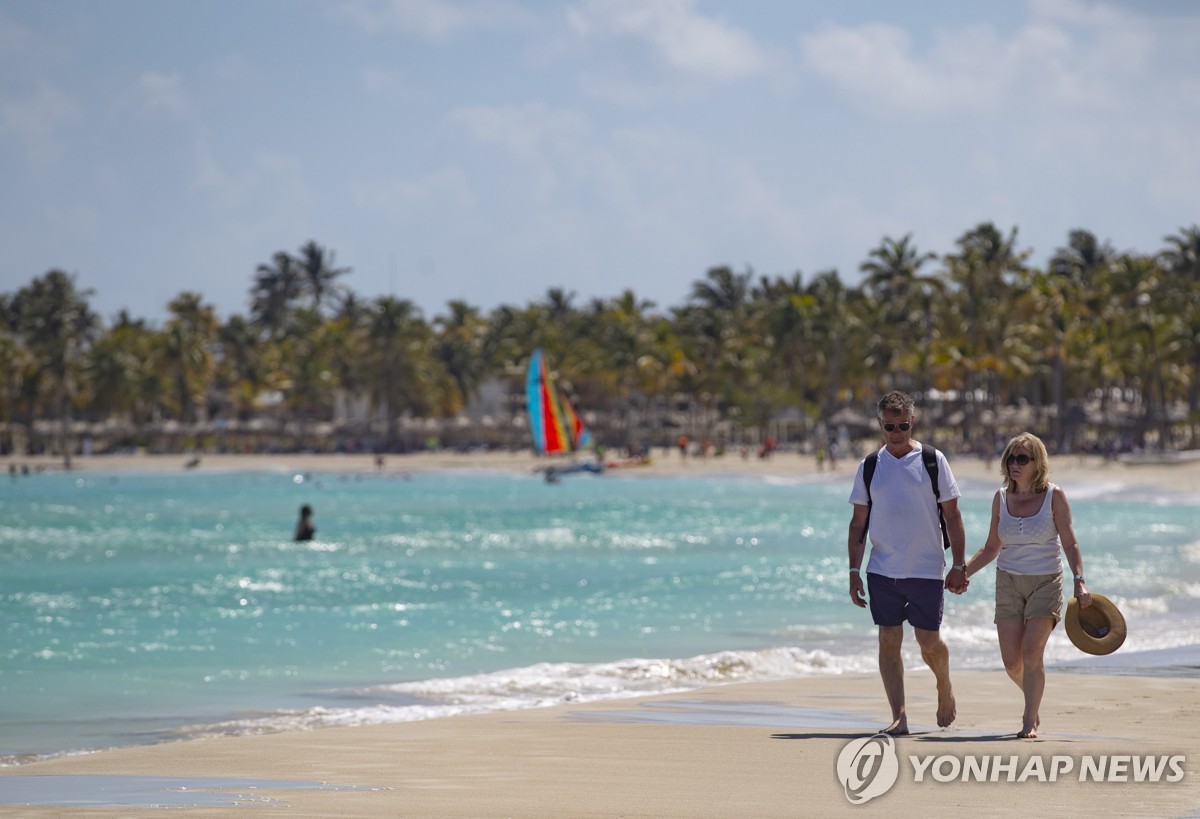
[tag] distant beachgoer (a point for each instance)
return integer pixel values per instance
(1031, 523)
(304, 527)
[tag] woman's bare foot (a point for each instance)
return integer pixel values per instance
(898, 728)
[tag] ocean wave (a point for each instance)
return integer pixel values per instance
(536, 686)
(542, 685)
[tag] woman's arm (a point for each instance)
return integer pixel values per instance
(991, 547)
(1070, 544)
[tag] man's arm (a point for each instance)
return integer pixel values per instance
(856, 548)
(956, 578)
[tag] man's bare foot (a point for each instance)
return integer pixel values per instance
(946, 711)
(1027, 733)
(899, 728)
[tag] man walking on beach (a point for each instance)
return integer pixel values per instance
(899, 504)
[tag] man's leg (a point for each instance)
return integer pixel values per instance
(936, 654)
(891, 668)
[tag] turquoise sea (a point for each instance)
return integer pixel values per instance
(141, 608)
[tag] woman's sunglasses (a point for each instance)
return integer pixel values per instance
(904, 427)
(1019, 460)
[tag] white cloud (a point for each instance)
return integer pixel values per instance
(156, 92)
(442, 190)
(384, 82)
(528, 131)
(688, 42)
(434, 19)
(266, 183)
(35, 120)
(1070, 59)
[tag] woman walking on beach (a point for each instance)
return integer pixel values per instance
(1031, 523)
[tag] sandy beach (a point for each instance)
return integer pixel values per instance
(1065, 470)
(749, 749)
(756, 749)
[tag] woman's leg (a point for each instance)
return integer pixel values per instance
(1033, 648)
(1012, 639)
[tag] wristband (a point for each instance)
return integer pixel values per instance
(962, 567)
(1078, 578)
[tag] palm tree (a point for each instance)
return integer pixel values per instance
(114, 371)
(240, 374)
(53, 318)
(306, 365)
(892, 268)
(277, 289)
(397, 335)
(710, 327)
(186, 352)
(319, 274)
(835, 325)
(1083, 260)
(18, 364)
(893, 280)
(458, 346)
(984, 270)
(1181, 261)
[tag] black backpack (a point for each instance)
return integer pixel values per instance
(929, 457)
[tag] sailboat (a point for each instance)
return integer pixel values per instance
(554, 424)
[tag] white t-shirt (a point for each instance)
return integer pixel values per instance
(906, 538)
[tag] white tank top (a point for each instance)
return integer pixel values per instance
(1029, 545)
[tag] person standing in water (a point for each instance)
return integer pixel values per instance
(304, 527)
(1031, 525)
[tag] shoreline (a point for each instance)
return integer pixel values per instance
(1066, 470)
(739, 749)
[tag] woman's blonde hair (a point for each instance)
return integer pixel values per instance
(1041, 461)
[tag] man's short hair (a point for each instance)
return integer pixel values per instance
(896, 402)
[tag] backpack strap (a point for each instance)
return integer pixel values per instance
(869, 464)
(929, 458)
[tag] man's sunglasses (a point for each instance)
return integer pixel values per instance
(904, 426)
(1019, 460)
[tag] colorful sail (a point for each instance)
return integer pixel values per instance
(553, 422)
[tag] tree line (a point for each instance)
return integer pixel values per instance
(978, 326)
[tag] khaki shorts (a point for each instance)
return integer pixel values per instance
(1021, 596)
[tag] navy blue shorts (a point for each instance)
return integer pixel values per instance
(915, 600)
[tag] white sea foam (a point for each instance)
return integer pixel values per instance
(541, 685)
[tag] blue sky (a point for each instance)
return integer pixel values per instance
(489, 150)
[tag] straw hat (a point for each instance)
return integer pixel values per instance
(1097, 629)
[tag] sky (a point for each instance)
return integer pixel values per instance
(491, 150)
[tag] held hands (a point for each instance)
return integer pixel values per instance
(956, 581)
